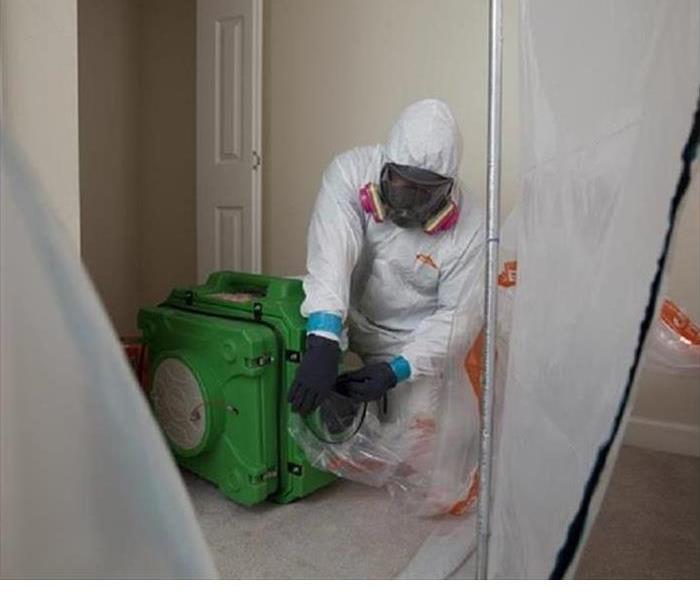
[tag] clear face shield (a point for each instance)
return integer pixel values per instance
(412, 196)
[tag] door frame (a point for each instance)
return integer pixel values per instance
(256, 117)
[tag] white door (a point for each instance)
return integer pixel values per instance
(229, 49)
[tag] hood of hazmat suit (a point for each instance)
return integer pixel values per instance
(390, 293)
(426, 136)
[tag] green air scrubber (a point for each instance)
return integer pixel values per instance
(222, 357)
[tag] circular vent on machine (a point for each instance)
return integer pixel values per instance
(178, 404)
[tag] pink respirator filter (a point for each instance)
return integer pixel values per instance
(370, 202)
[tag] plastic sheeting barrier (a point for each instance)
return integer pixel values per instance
(608, 94)
(87, 485)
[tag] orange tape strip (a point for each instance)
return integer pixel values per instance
(677, 320)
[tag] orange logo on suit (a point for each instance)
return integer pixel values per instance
(426, 259)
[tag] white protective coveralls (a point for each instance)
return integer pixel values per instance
(395, 289)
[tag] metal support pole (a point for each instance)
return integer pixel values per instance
(493, 199)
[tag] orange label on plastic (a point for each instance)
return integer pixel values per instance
(677, 320)
(508, 277)
(465, 504)
(473, 364)
(426, 259)
(425, 424)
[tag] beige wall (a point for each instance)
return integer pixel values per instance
(667, 413)
(40, 96)
(167, 147)
(109, 162)
(337, 73)
(137, 119)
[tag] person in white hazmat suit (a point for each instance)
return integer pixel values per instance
(392, 243)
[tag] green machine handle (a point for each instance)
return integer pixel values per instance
(272, 288)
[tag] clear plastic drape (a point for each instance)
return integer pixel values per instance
(608, 94)
(87, 485)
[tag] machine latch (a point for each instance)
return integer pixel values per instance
(269, 475)
(293, 356)
(294, 469)
(261, 361)
(257, 311)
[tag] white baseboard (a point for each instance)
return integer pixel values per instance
(665, 436)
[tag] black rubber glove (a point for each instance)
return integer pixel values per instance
(316, 375)
(367, 384)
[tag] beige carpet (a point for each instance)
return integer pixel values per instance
(649, 523)
(345, 531)
(649, 527)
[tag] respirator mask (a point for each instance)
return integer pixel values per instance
(411, 198)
